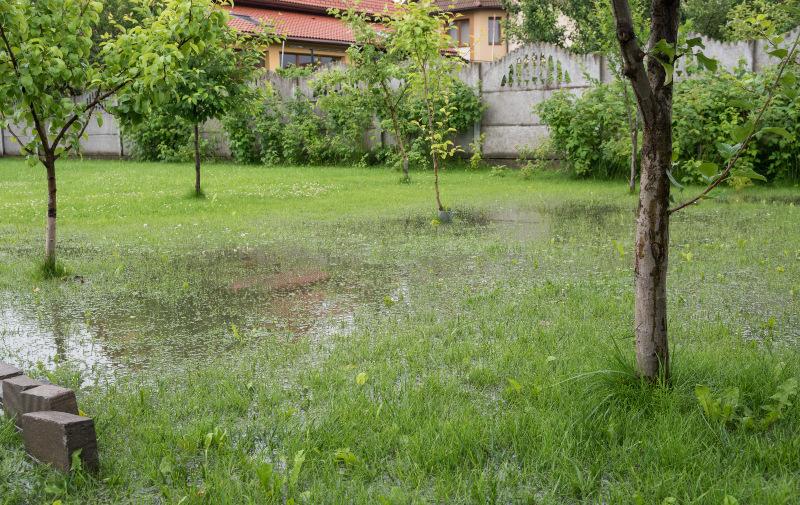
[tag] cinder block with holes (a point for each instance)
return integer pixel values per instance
(52, 437)
(12, 390)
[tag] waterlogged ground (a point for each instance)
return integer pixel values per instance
(256, 310)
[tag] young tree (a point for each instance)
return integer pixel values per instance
(216, 77)
(651, 76)
(380, 70)
(51, 83)
(419, 35)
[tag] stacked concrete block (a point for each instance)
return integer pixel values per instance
(48, 417)
(12, 390)
(6, 372)
(48, 398)
(53, 437)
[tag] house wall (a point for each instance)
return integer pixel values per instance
(481, 49)
(273, 57)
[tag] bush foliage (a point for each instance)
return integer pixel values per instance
(337, 124)
(592, 134)
(163, 137)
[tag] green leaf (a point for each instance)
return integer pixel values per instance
(695, 42)
(165, 467)
(669, 70)
(748, 173)
(741, 132)
(666, 49)
(779, 53)
(299, 459)
(673, 180)
(708, 168)
(777, 130)
(709, 63)
(726, 150)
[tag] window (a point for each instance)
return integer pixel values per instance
(459, 32)
(495, 31)
(304, 60)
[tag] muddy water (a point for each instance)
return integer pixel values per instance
(241, 299)
(106, 341)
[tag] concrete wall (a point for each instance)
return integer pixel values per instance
(510, 87)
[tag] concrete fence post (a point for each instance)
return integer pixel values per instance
(477, 130)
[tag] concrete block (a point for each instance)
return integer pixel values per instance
(12, 389)
(6, 372)
(52, 437)
(48, 397)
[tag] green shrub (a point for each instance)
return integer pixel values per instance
(466, 110)
(592, 134)
(333, 126)
(164, 137)
(591, 131)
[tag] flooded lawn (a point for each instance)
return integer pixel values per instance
(181, 310)
(322, 315)
(238, 297)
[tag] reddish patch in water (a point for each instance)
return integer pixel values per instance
(284, 281)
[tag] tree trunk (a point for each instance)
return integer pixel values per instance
(654, 97)
(652, 253)
(634, 152)
(50, 236)
(397, 131)
(434, 156)
(401, 145)
(197, 189)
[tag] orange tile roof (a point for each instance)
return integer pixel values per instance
(369, 6)
(461, 5)
(292, 25)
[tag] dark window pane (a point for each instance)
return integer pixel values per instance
(304, 59)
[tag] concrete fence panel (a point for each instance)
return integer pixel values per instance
(510, 88)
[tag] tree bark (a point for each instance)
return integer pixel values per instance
(197, 189)
(397, 131)
(435, 158)
(654, 98)
(634, 152)
(49, 162)
(401, 144)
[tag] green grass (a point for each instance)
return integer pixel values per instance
(485, 361)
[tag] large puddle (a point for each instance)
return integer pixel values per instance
(227, 301)
(235, 299)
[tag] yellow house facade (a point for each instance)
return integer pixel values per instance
(312, 37)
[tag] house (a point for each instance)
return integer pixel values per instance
(311, 36)
(478, 28)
